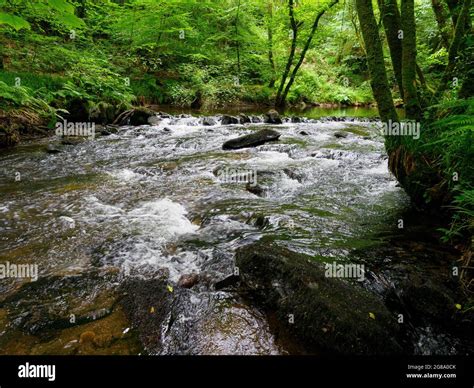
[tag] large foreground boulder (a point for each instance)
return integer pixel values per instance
(253, 140)
(328, 314)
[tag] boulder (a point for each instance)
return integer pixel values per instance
(272, 117)
(253, 140)
(244, 119)
(228, 120)
(328, 314)
(135, 117)
(208, 121)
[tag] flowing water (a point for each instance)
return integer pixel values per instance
(148, 201)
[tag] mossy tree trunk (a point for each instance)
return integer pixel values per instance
(391, 23)
(375, 61)
(412, 104)
(458, 37)
(442, 21)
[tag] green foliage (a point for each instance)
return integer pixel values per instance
(449, 139)
(93, 81)
(15, 97)
(451, 135)
(13, 21)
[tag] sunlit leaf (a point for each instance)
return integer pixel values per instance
(13, 21)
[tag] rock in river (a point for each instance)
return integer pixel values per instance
(227, 120)
(329, 314)
(188, 280)
(252, 140)
(273, 117)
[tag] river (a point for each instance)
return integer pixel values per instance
(147, 202)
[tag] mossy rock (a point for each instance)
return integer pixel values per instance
(330, 315)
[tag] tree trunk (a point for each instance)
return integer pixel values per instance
(453, 50)
(412, 104)
(375, 61)
(294, 28)
(271, 59)
(441, 20)
(305, 50)
(392, 25)
(237, 38)
(453, 10)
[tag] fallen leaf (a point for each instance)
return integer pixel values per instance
(372, 315)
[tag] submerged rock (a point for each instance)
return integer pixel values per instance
(253, 140)
(327, 314)
(341, 134)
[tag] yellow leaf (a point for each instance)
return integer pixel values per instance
(170, 288)
(458, 306)
(152, 310)
(372, 315)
